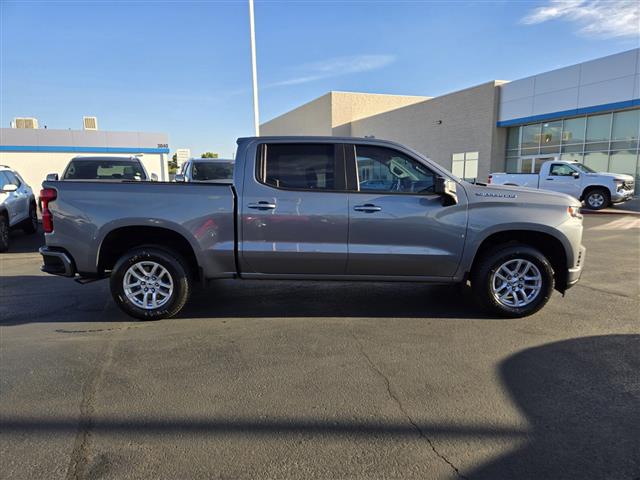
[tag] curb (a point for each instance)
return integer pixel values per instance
(608, 211)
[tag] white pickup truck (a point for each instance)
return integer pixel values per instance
(597, 190)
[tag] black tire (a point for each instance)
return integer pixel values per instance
(4, 232)
(597, 199)
(30, 225)
(481, 279)
(176, 268)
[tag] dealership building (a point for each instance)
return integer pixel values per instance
(35, 152)
(589, 112)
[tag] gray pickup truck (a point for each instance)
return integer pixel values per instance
(314, 208)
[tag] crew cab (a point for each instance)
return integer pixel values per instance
(597, 190)
(314, 208)
(17, 206)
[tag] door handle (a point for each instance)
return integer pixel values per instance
(262, 206)
(548, 179)
(367, 207)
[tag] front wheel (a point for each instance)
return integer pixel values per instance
(597, 199)
(513, 281)
(30, 225)
(4, 233)
(150, 283)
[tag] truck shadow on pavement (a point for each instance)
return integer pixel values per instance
(276, 299)
(23, 243)
(580, 397)
(582, 400)
(45, 298)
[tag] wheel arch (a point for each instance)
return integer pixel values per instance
(553, 247)
(123, 238)
(590, 188)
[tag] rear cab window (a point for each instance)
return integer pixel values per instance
(204, 171)
(104, 170)
(303, 166)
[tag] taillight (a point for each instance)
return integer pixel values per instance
(489, 180)
(47, 195)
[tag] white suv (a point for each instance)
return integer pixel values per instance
(17, 206)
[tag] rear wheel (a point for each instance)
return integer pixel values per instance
(597, 199)
(513, 281)
(4, 233)
(150, 283)
(30, 225)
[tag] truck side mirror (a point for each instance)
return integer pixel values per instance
(179, 177)
(447, 188)
(154, 177)
(52, 177)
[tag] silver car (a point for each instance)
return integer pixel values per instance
(17, 206)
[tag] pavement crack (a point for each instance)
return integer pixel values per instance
(602, 290)
(373, 367)
(79, 459)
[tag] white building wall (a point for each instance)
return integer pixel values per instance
(603, 81)
(459, 122)
(36, 153)
(35, 166)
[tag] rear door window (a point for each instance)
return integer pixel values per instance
(305, 166)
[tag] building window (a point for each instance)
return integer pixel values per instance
(465, 165)
(550, 137)
(607, 142)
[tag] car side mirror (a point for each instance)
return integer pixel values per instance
(179, 177)
(52, 177)
(154, 177)
(447, 188)
(575, 175)
(9, 187)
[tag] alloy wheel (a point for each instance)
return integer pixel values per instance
(516, 283)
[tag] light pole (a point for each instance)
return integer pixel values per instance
(256, 116)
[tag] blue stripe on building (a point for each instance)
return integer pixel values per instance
(58, 148)
(571, 113)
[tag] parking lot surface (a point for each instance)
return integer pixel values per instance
(323, 380)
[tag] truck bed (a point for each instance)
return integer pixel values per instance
(203, 213)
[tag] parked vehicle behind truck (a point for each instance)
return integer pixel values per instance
(17, 206)
(597, 190)
(105, 168)
(206, 170)
(314, 208)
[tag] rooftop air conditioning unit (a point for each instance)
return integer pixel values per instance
(90, 123)
(25, 123)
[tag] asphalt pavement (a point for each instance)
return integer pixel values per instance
(301, 380)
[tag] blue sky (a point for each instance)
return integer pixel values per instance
(183, 68)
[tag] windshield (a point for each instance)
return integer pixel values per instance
(203, 171)
(582, 168)
(104, 170)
